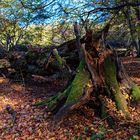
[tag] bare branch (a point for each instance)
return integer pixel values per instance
(118, 7)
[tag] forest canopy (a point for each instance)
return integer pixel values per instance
(50, 22)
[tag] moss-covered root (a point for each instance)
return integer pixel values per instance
(80, 83)
(113, 86)
(72, 94)
(135, 93)
(52, 102)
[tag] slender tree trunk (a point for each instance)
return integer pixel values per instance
(137, 11)
(132, 28)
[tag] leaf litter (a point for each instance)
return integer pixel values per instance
(34, 123)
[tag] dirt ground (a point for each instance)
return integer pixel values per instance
(34, 123)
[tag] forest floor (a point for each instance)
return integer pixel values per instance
(34, 123)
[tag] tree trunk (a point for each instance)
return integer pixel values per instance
(132, 28)
(137, 11)
(100, 74)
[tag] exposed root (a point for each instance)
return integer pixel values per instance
(69, 107)
(135, 92)
(112, 83)
(52, 102)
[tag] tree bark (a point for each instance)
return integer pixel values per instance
(132, 28)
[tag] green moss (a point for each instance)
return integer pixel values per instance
(110, 73)
(79, 83)
(135, 91)
(113, 86)
(44, 103)
(58, 57)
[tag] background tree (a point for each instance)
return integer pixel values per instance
(14, 21)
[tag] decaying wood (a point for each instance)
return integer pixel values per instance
(106, 73)
(98, 73)
(78, 37)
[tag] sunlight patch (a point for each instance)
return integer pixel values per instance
(5, 101)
